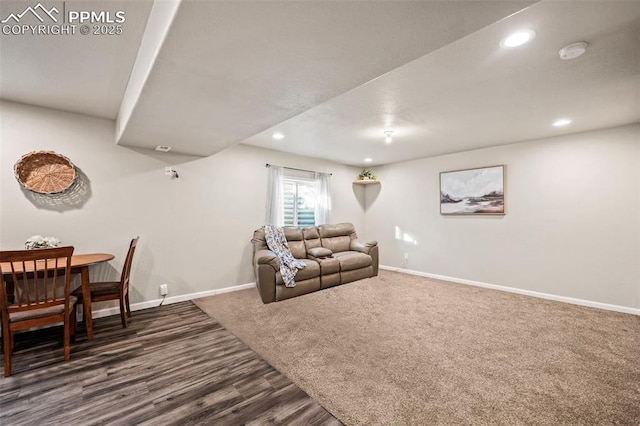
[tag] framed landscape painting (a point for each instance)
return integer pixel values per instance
(472, 191)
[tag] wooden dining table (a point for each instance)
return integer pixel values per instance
(79, 265)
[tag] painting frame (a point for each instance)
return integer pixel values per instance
(474, 191)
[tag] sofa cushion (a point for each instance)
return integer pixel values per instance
(338, 230)
(336, 244)
(295, 241)
(350, 260)
(292, 233)
(298, 249)
(311, 238)
(311, 270)
(337, 237)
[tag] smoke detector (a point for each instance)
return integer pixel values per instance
(573, 50)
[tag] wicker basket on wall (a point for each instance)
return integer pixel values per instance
(45, 172)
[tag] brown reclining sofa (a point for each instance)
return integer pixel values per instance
(332, 253)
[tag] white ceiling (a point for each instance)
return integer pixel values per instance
(332, 76)
(86, 74)
(472, 93)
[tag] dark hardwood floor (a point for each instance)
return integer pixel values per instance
(173, 365)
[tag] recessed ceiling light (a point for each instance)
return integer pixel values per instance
(163, 148)
(368, 160)
(517, 39)
(561, 122)
(278, 135)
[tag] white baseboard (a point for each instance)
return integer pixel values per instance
(589, 303)
(169, 300)
(191, 296)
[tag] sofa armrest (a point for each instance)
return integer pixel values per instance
(362, 246)
(266, 257)
(319, 252)
(266, 266)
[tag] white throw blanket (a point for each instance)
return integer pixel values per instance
(277, 243)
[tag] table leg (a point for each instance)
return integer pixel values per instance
(86, 301)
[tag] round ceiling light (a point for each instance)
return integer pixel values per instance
(517, 39)
(278, 136)
(368, 160)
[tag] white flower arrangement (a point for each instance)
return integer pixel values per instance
(39, 242)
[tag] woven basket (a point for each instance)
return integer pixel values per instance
(45, 172)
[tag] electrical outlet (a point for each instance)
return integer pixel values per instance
(164, 289)
(406, 257)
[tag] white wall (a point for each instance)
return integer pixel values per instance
(195, 230)
(572, 226)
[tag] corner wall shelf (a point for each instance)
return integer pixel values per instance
(365, 182)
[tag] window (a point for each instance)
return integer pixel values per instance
(299, 202)
(297, 197)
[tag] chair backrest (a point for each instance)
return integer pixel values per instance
(126, 269)
(38, 278)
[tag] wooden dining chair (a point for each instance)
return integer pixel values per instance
(114, 290)
(40, 295)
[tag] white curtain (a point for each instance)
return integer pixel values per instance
(323, 198)
(275, 197)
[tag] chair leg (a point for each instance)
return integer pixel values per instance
(126, 299)
(8, 351)
(123, 314)
(67, 332)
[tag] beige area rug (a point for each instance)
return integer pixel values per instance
(401, 349)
